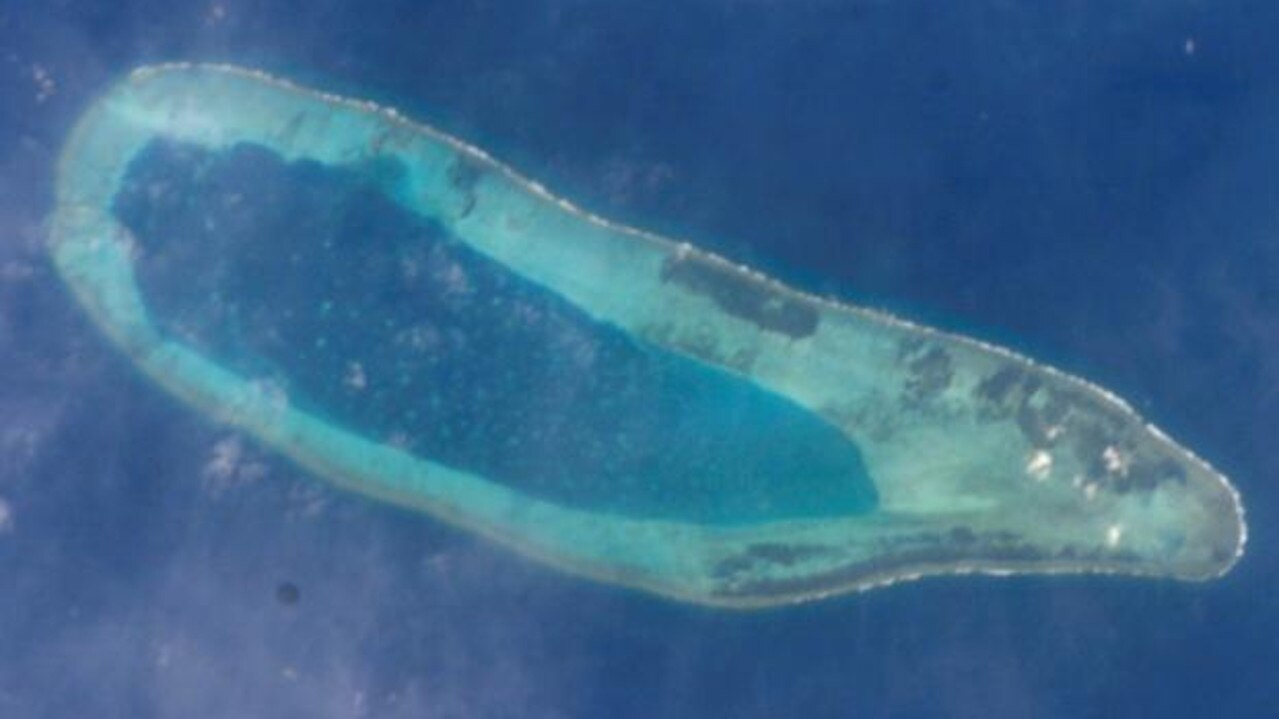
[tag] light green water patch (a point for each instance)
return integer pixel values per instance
(981, 460)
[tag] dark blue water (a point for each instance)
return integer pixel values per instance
(384, 324)
(1093, 183)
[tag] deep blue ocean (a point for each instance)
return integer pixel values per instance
(1093, 183)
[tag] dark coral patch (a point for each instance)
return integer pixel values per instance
(931, 372)
(741, 295)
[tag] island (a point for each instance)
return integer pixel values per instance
(961, 457)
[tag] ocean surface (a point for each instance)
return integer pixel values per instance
(1095, 184)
